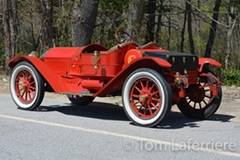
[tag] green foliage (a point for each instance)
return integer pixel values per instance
(62, 17)
(200, 45)
(110, 17)
(231, 77)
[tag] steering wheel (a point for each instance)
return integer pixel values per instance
(122, 36)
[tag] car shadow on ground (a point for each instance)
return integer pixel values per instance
(107, 111)
(96, 110)
(177, 120)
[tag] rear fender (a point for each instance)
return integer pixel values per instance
(116, 83)
(54, 80)
(203, 61)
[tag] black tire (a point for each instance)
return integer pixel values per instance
(200, 104)
(147, 97)
(84, 100)
(26, 86)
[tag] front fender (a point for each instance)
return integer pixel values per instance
(116, 83)
(54, 80)
(203, 61)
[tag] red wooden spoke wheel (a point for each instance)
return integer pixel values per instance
(146, 97)
(199, 102)
(26, 86)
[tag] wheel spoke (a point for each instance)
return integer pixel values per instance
(137, 102)
(135, 87)
(29, 95)
(145, 110)
(22, 94)
(31, 83)
(19, 90)
(208, 96)
(150, 110)
(156, 92)
(21, 75)
(140, 107)
(141, 83)
(151, 87)
(147, 84)
(154, 106)
(26, 76)
(156, 99)
(26, 96)
(135, 95)
(200, 106)
(206, 84)
(204, 102)
(189, 101)
(32, 88)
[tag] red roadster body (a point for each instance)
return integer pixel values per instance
(149, 78)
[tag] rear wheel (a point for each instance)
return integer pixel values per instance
(26, 86)
(199, 102)
(78, 100)
(146, 97)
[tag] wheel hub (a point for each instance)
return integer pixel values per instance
(196, 93)
(142, 98)
(25, 85)
(145, 97)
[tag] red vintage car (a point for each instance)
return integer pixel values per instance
(149, 79)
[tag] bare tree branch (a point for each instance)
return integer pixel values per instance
(199, 10)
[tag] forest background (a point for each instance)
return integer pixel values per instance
(207, 28)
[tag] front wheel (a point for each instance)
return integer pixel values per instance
(26, 86)
(200, 102)
(146, 97)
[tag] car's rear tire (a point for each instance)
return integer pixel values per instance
(200, 103)
(146, 97)
(26, 86)
(78, 100)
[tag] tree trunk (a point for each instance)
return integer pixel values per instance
(190, 36)
(48, 16)
(9, 35)
(183, 29)
(233, 11)
(151, 8)
(231, 23)
(159, 22)
(84, 22)
(213, 29)
(135, 17)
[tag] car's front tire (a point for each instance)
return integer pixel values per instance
(147, 97)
